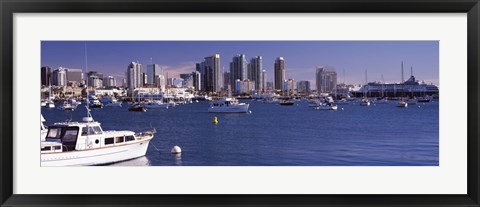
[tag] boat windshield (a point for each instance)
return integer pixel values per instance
(62, 133)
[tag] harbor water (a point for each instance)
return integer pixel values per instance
(276, 135)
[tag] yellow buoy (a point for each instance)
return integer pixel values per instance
(215, 120)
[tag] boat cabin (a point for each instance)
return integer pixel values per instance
(74, 136)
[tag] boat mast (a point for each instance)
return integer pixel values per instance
(86, 82)
(403, 84)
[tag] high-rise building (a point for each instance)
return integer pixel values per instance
(95, 73)
(59, 77)
(109, 82)
(279, 70)
(160, 81)
(256, 72)
(134, 76)
(212, 74)
(264, 80)
(326, 80)
(46, 75)
(244, 87)
(95, 82)
(152, 71)
(227, 86)
(74, 75)
(200, 68)
(290, 87)
(187, 80)
(238, 69)
(196, 80)
(303, 87)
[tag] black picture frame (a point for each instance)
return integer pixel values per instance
(10, 7)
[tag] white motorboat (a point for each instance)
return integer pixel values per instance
(155, 104)
(365, 102)
(228, 105)
(402, 103)
(85, 143)
(110, 102)
(69, 105)
(327, 106)
(93, 102)
(412, 101)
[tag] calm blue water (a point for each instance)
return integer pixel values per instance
(274, 135)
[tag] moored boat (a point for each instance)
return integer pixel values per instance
(228, 105)
(85, 143)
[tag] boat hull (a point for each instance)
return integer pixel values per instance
(230, 109)
(96, 156)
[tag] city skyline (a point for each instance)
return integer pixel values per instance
(301, 57)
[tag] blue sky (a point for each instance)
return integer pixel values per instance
(301, 57)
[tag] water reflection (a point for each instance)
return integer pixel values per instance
(178, 159)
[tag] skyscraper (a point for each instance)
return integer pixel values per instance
(255, 72)
(59, 77)
(109, 82)
(279, 71)
(152, 71)
(212, 74)
(196, 80)
(238, 70)
(326, 80)
(264, 80)
(46, 75)
(134, 75)
(303, 87)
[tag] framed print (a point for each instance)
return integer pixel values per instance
(200, 103)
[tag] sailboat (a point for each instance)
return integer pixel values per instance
(382, 99)
(365, 101)
(412, 100)
(402, 103)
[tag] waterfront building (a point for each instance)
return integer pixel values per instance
(110, 82)
(212, 73)
(255, 70)
(245, 87)
(153, 70)
(74, 75)
(196, 80)
(46, 75)
(187, 80)
(303, 88)
(95, 73)
(269, 86)
(95, 82)
(290, 87)
(160, 82)
(134, 76)
(59, 77)
(410, 88)
(238, 69)
(279, 70)
(326, 80)
(177, 82)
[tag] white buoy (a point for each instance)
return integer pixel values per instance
(176, 150)
(342, 109)
(250, 112)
